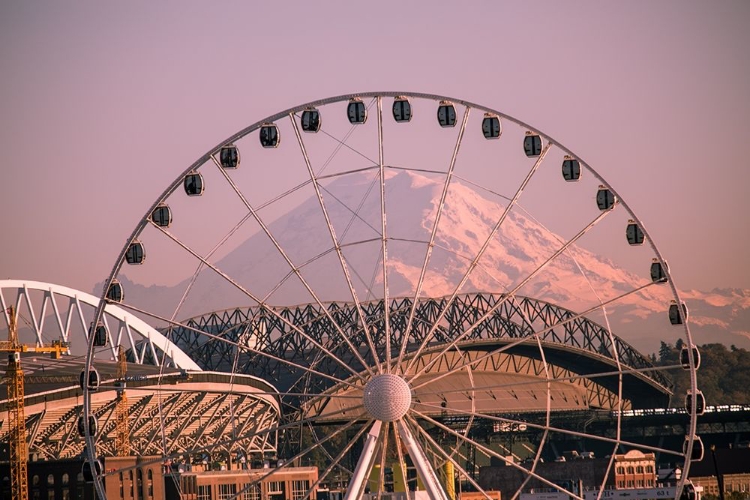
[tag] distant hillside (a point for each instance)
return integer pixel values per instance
(723, 375)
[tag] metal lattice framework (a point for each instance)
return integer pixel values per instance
(215, 413)
(516, 318)
(64, 312)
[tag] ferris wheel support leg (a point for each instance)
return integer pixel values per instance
(357, 482)
(424, 469)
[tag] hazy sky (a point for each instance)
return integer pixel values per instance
(103, 104)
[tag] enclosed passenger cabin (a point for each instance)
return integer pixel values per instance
(193, 184)
(269, 136)
(310, 120)
(658, 271)
(90, 380)
(89, 472)
(685, 354)
(697, 453)
(446, 114)
(115, 293)
(674, 313)
(634, 233)
(229, 156)
(571, 169)
(93, 426)
(135, 254)
(162, 215)
(491, 127)
(605, 199)
(532, 145)
(356, 111)
(100, 334)
(700, 403)
(402, 109)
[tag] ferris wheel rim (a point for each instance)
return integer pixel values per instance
(291, 112)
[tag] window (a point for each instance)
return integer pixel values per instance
(250, 491)
(227, 491)
(139, 475)
(620, 469)
(51, 480)
(35, 480)
(65, 478)
(275, 487)
(630, 470)
(204, 492)
(299, 489)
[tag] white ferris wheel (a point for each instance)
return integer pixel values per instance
(433, 286)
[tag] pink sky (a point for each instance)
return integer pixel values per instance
(103, 105)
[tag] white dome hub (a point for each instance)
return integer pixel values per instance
(387, 397)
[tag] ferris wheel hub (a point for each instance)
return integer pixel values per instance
(387, 397)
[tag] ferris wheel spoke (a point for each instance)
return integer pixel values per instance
(260, 352)
(449, 458)
(481, 251)
(570, 378)
(284, 255)
(342, 261)
(383, 455)
(384, 250)
(355, 213)
(559, 430)
(343, 143)
(496, 455)
(336, 461)
(507, 296)
(431, 243)
(543, 331)
(271, 310)
(400, 454)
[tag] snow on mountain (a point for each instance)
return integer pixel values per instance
(577, 279)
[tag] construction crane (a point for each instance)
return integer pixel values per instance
(19, 455)
(122, 439)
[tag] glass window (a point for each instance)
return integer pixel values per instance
(65, 478)
(35, 480)
(227, 491)
(204, 492)
(275, 487)
(299, 489)
(250, 491)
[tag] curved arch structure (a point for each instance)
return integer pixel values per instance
(573, 342)
(177, 400)
(73, 310)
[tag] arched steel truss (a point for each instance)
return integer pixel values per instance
(55, 312)
(219, 414)
(254, 331)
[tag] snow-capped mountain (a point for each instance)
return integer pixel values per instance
(577, 279)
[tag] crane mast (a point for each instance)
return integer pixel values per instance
(16, 416)
(14, 381)
(122, 440)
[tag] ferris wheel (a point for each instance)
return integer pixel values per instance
(446, 298)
